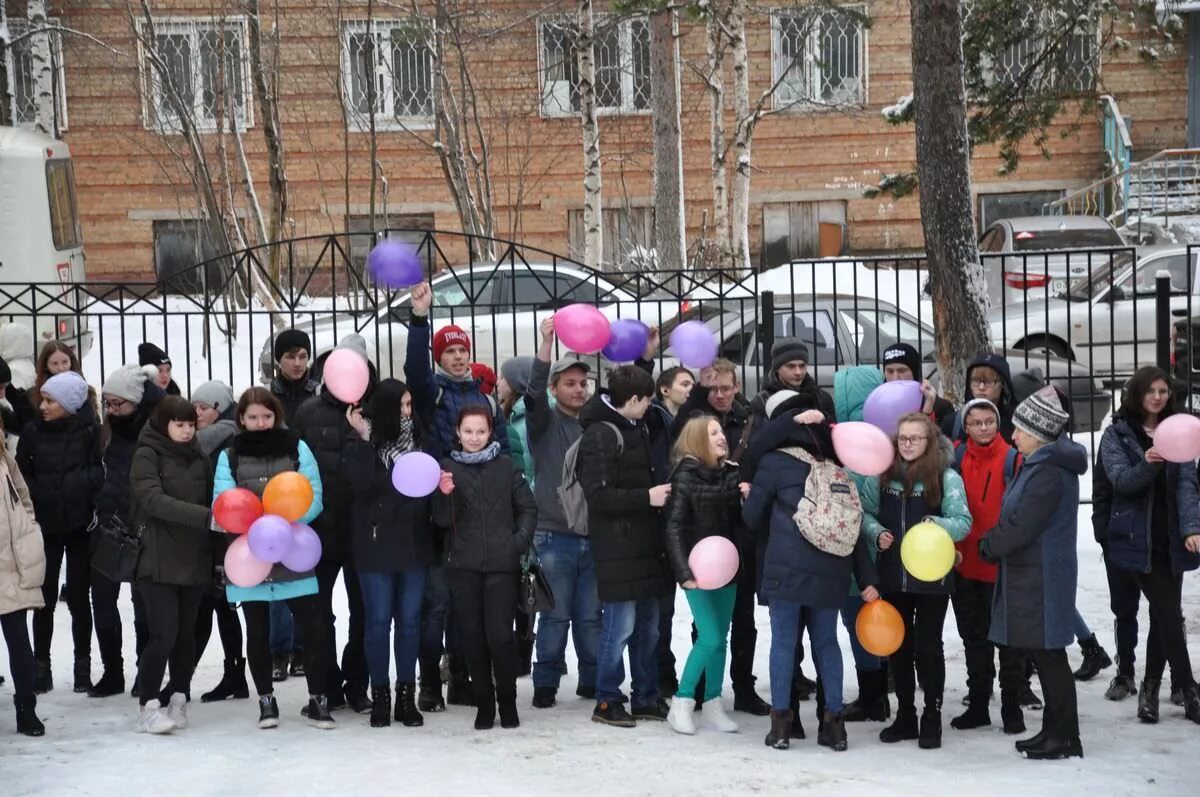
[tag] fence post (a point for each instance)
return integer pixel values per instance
(766, 332)
(1162, 318)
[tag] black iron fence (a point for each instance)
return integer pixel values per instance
(1083, 319)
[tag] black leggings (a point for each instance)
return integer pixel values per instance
(353, 669)
(229, 626)
(74, 547)
(171, 614)
(310, 614)
(483, 604)
(924, 617)
(1166, 641)
(1060, 720)
(973, 613)
(20, 654)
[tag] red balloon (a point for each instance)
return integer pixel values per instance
(234, 510)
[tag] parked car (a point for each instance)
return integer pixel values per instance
(1185, 357)
(1106, 318)
(1032, 253)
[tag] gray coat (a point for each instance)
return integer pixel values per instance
(551, 433)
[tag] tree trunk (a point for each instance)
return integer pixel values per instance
(944, 174)
(269, 111)
(593, 222)
(669, 236)
(40, 55)
(715, 80)
(739, 221)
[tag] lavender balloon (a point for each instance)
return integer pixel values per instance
(627, 341)
(270, 538)
(394, 264)
(694, 344)
(416, 474)
(891, 401)
(306, 549)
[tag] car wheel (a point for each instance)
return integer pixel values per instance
(1042, 344)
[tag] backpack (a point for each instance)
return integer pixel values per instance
(830, 514)
(570, 491)
(1010, 462)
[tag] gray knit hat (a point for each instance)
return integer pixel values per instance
(1042, 415)
(68, 388)
(787, 350)
(355, 343)
(217, 395)
(517, 371)
(129, 382)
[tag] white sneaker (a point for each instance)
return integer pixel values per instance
(153, 719)
(716, 718)
(681, 717)
(177, 710)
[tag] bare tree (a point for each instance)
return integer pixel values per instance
(40, 50)
(593, 206)
(266, 92)
(669, 234)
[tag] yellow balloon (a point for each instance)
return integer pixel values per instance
(927, 552)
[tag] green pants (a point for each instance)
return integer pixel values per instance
(712, 611)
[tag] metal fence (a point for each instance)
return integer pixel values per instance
(1084, 319)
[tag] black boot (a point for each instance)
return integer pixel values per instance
(1191, 703)
(1148, 701)
(508, 712)
(279, 666)
(1033, 741)
(872, 703)
(112, 680)
(977, 714)
(832, 733)
(1095, 659)
(356, 698)
(232, 685)
(317, 713)
(485, 711)
(458, 693)
(747, 701)
(430, 697)
(904, 728)
(296, 665)
(797, 729)
(28, 723)
(1011, 714)
(931, 728)
(779, 736)
(1120, 687)
(406, 709)
(1050, 748)
(111, 683)
(83, 675)
(268, 712)
(381, 706)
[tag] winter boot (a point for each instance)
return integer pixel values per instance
(356, 698)
(279, 667)
(1176, 692)
(381, 706)
(544, 697)
(1120, 687)
(1191, 703)
(43, 680)
(1050, 749)
(152, 719)
(832, 733)
(459, 691)
(797, 729)
(747, 701)
(1095, 659)
(83, 675)
(268, 712)
(1147, 710)
(977, 715)
(716, 718)
(111, 683)
(406, 709)
(296, 665)
(233, 683)
(872, 703)
(317, 713)
(1011, 714)
(177, 710)
(903, 728)
(1033, 741)
(931, 727)
(485, 711)
(430, 698)
(682, 716)
(28, 723)
(781, 726)
(507, 706)
(1029, 698)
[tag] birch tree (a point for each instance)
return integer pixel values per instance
(669, 235)
(41, 57)
(593, 206)
(266, 92)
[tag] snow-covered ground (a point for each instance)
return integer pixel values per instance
(90, 747)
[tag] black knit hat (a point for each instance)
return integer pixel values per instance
(5, 372)
(149, 354)
(290, 339)
(903, 354)
(787, 350)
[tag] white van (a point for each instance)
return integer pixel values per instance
(40, 240)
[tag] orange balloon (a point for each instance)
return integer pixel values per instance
(879, 628)
(288, 495)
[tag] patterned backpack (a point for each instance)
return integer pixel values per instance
(830, 514)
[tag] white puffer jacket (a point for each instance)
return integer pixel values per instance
(22, 551)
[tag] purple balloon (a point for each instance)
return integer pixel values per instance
(394, 264)
(416, 474)
(891, 401)
(628, 340)
(694, 344)
(306, 549)
(270, 538)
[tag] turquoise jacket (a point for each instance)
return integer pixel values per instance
(851, 386)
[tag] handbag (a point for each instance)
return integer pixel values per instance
(115, 550)
(535, 594)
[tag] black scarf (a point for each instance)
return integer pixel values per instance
(127, 427)
(267, 443)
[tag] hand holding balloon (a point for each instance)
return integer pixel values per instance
(870, 594)
(358, 423)
(885, 540)
(446, 482)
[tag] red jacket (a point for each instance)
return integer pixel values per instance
(983, 473)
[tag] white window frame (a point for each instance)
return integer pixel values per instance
(800, 101)
(552, 93)
(151, 85)
(17, 27)
(385, 118)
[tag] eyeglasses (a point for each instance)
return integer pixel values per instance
(722, 390)
(906, 440)
(115, 404)
(984, 382)
(983, 424)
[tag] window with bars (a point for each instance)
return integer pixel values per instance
(197, 67)
(622, 65)
(20, 65)
(1074, 71)
(396, 56)
(819, 56)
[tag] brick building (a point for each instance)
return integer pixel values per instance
(812, 162)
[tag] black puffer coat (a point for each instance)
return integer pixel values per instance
(293, 394)
(490, 517)
(122, 434)
(62, 464)
(626, 539)
(321, 422)
(391, 531)
(705, 502)
(170, 484)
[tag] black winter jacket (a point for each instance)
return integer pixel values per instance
(122, 433)
(705, 502)
(392, 532)
(626, 540)
(62, 464)
(819, 399)
(293, 394)
(490, 517)
(321, 423)
(170, 486)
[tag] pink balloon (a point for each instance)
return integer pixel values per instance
(242, 567)
(1178, 438)
(306, 549)
(713, 562)
(889, 402)
(582, 328)
(346, 374)
(862, 448)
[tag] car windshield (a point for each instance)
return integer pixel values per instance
(1037, 240)
(1100, 277)
(698, 312)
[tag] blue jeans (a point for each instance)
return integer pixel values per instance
(1082, 631)
(862, 659)
(389, 597)
(786, 620)
(567, 562)
(285, 635)
(632, 624)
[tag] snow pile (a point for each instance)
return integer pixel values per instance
(900, 112)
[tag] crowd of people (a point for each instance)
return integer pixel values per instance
(607, 490)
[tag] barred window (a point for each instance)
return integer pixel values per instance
(622, 65)
(19, 62)
(818, 56)
(397, 56)
(196, 67)
(1073, 71)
